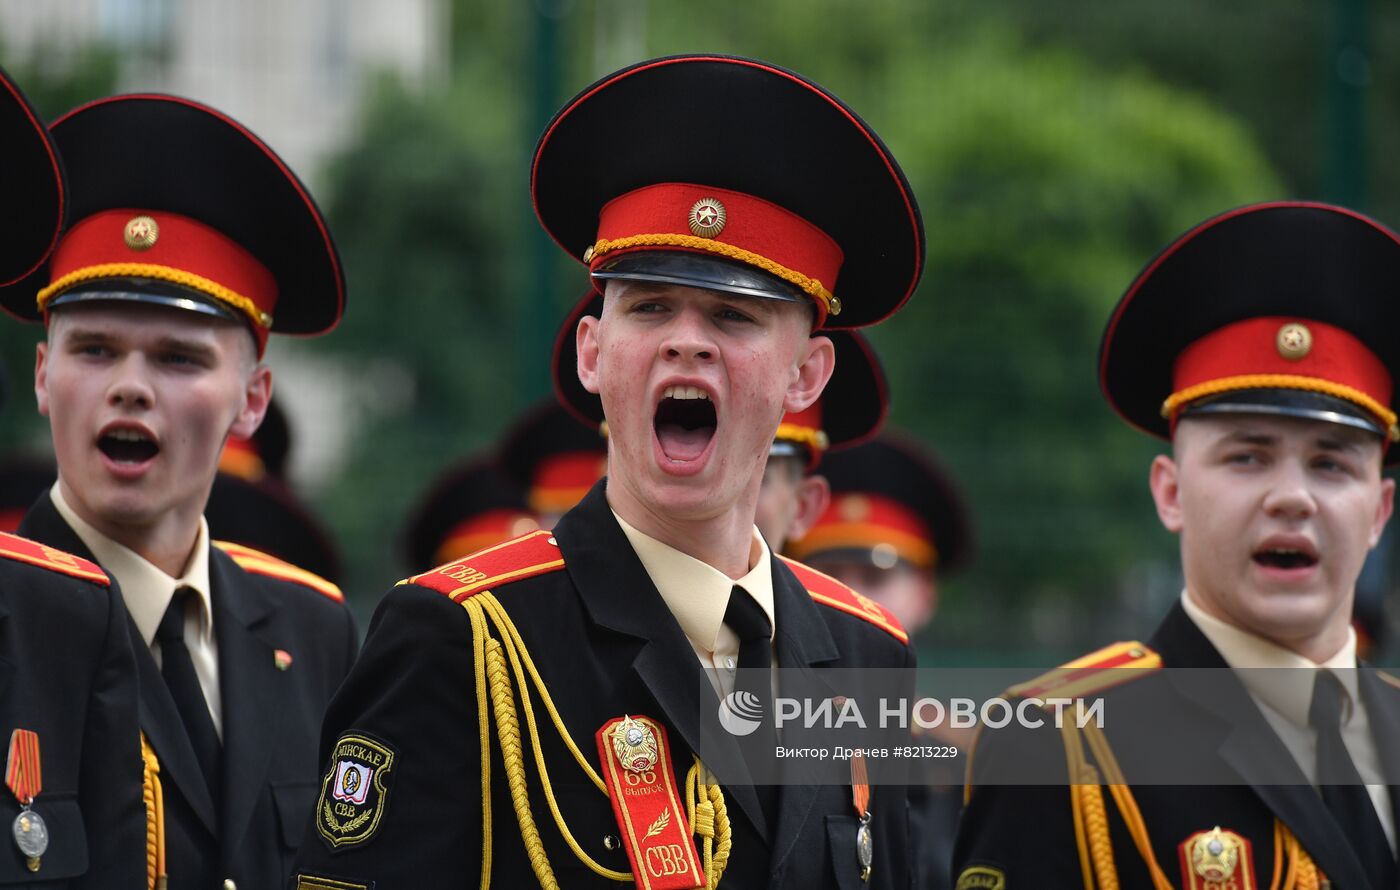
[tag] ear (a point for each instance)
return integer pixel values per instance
(1383, 510)
(586, 345)
(813, 497)
(812, 374)
(1164, 480)
(257, 393)
(41, 377)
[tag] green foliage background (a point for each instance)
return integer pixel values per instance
(1055, 146)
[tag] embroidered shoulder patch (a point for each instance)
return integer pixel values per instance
(827, 591)
(513, 560)
(255, 562)
(24, 550)
(355, 790)
(1092, 673)
(981, 877)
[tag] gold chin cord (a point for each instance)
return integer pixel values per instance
(503, 669)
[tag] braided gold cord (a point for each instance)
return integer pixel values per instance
(483, 722)
(506, 628)
(508, 732)
(152, 797)
(1281, 381)
(1096, 829)
(160, 273)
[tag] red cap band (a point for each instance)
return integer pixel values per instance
(749, 229)
(481, 531)
(169, 247)
(1278, 352)
(866, 521)
(562, 480)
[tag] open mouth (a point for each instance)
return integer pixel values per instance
(1284, 558)
(127, 446)
(684, 422)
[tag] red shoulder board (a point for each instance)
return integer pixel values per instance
(255, 562)
(24, 550)
(828, 591)
(513, 560)
(1092, 673)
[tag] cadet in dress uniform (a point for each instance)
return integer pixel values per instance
(554, 458)
(253, 503)
(896, 525)
(851, 409)
(189, 241)
(537, 712)
(468, 508)
(72, 797)
(1264, 344)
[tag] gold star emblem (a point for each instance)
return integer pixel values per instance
(707, 217)
(141, 233)
(1294, 341)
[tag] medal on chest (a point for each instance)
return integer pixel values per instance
(1217, 860)
(860, 798)
(25, 779)
(651, 819)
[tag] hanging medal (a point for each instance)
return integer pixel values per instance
(860, 797)
(25, 779)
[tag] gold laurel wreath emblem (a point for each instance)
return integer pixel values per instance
(345, 827)
(659, 825)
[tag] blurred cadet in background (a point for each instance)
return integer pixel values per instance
(554, 458)
(896, 524)
(1264, 343)
(68, 720)
(23, 478)
(188, 242)
(252, 502)
(468, 508)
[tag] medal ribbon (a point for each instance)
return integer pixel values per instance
(860, 785)
(23, 773)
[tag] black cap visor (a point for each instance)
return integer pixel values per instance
(696, 270)
(1288, 403)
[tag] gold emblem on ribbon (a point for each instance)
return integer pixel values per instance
(635, 745)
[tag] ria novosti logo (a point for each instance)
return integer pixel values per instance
(740, 712)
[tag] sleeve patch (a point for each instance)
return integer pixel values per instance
(255, 562)
(355, 790)
(24, 550)
(513, 560)
(316, 882)
(1092, 673)
(827, 591)
(981, 877)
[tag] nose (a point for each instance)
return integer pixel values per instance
(687, 337)
(1289, 496)
(130, 388)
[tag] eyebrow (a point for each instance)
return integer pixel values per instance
(167, 343)
(1326, 442)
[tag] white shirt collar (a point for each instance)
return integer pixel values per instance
(1287, 691)
(146, 589)
(696, 592)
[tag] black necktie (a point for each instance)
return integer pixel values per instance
(751, 625)
(1342, 789)
(178, 670)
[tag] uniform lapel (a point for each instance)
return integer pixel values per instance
(250, 691)
(1252, 749)
(802, 641)
(1383, 709)
(160, 721)
(619, 595)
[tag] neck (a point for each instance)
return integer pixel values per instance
(165, 543)
(723, 541)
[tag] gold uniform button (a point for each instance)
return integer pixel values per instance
(1294, 341)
